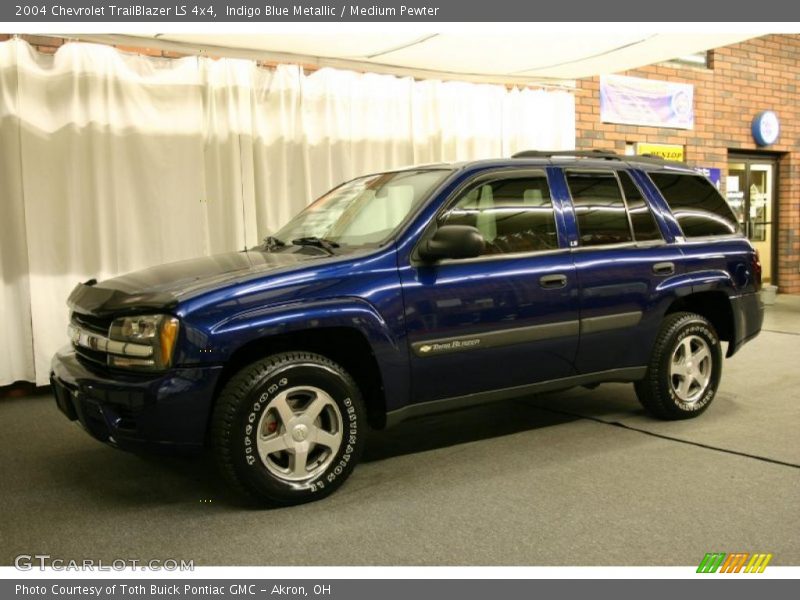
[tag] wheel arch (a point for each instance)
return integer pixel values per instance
(714, 305)
(348, 331)
(346, 346)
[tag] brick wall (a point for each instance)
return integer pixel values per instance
(744, 79)
(759, 74)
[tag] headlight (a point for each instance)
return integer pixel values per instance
(142, 342)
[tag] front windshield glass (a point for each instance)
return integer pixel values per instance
(363, 211)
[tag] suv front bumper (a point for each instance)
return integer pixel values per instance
(164, 411)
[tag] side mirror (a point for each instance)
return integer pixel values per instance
(452, 241)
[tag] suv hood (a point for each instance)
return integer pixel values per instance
(161, 287)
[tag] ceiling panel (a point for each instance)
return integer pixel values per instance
(654, 49)
(514, 55)
(500, 55)
(357, 46)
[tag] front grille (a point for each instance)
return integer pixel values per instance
(92, 323)
(94, 358)
(99, 325)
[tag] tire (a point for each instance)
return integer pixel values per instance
(289, 428)
(676, 388)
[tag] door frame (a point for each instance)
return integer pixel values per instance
(754, 156)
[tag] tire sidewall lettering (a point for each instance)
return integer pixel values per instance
(262, 398)
(261, 402)
(351, 427)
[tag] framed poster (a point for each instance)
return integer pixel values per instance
(636, 101)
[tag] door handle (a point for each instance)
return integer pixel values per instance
(664, 268)
(554, 281)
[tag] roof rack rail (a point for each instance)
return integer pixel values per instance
(597, 153)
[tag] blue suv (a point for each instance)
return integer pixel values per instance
(415, 291)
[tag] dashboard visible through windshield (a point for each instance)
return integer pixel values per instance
(361, 212)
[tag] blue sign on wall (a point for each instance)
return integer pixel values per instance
(766, 128)
(714, 175)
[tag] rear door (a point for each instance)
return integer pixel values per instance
(507, 318)
(621, 259)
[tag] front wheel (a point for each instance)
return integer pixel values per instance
(684, 370)
(289, 428)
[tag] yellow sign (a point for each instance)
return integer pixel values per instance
(668, 151)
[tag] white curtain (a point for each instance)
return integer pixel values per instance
(111, 162)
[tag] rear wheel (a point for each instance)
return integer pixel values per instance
(684, 370)
(288, 429)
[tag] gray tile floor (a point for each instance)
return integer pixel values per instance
(580, 477)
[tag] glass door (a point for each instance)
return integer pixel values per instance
(750, 190)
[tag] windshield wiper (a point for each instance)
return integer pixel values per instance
(271, 242)
(317, 242)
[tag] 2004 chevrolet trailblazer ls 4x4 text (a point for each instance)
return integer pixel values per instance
(413, 291)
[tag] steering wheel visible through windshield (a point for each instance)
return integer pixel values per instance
(364, 211)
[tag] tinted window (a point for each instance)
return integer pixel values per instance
(599, 208)
(697, 205)
(513, 215)
(644, 224)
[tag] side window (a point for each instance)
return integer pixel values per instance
(644, 224)
(696, 204)
(512, 215)
(599, 208)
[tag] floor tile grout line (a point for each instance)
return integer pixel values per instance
(674, 439)
(783, 332)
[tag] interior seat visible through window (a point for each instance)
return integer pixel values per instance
(513, 215)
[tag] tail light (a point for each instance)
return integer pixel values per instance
(755, 268)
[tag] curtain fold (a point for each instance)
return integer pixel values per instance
(16, 358)
(113, 162)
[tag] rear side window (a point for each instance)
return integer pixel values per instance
(599, 208)
(696, 204)
(644, 224)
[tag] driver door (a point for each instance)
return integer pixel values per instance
(505, 319)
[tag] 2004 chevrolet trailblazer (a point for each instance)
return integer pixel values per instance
(413, 291)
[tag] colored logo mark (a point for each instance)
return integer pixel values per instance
(720, 562)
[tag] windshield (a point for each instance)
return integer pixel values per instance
(367, 210)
